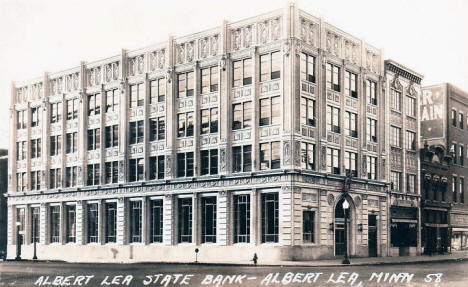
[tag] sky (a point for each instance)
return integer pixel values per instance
(36, 36)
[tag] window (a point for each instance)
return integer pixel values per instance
(36, 147)
(454, 118)
(270, 155)
(209, 80)
(307, 68)
(36, 180)
(135, 221)
(136, 169)
(270, 66)
(350, 163)
(55, 145)
(35, 224)
(110, 211)
(410, 141)
(158, 91)
(209, 121)
(395, 136)
(351, 84)
(462, 190)
(55, 177)
(93, 174)
(333, 77)
(156, 168)
(21, 183)
(21, 218)
(454, 150)
(410, 106)
(93, 223)
(55, 112)
(333, 119)
(308, 224)
(94, 139)
(71, 142)
(36, 116)
(112, 136)
(307, 156)
(54, 223)
(307, 112)
(242, 158)
(270, 220)
(395, 100)
(241, 218)
(21, 150)
(112, 100)
(208, 224)
(371, 92)
(137, 95)
(351, 124)
(410, 183)
(333, 161)
(156, 220)
(157, 128)
(137, 132)
(94, 104)
(72, 108)
(242, 72)
(20, 120)
(270, 111)
(241, 115)
(371, 167)
(209, 162)
(460, 120)
(185, 85)
(70, 213)
(461, 155)
(185, 164)
(395, 179)
(185, 220)
(112, 172)
(71, 176)
(185, 124)
(454, 188)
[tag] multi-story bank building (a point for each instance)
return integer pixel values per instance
(234, 141)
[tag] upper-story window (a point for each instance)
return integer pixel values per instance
(21, 150)
(185, 124)
(136, 169)
(351, 124)
(157, 128)
(410, 183)
(242, 72)
(185, 85)
(55, 177)
(333, 77)
(137, 134)
(93, 173)
(94, 139)
(395, 100)
(137, 95)
(94, 104)
(371, 130)
(270, 66)
(410, 140)
(371, 167)
(307, 112)
(209, 80)
(112, 136)
(270, 157)
(71, 176)
(333, 119)
(158, 91)
(410, 106)
(307, 156)
(454, 150)
(20, 120)
(156, 167)
(72, 108)
(241, 115)
(454, 118)
(55, 112)
(55, 145)
(270, 111)
(112, 100)
(36, 148)
(71, 142)
(460, 120)
(21, 181)
(185, 164)
(111, 172)
(242, 158)
(351, 84)
(36, 117)
(371, 92)
(395, 136)
(209, 121)
(209, 162)
(350, 163)
(461, 154)
(395, 179)
(333, 161)
(307, 68)
(35, 179)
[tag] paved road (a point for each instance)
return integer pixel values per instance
(35, 274)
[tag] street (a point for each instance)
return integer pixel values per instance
(87, 274)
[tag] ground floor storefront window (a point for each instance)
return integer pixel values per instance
(460, 240)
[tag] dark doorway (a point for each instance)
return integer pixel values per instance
(372, 235)
(340, 228)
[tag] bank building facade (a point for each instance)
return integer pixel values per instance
(236, 141)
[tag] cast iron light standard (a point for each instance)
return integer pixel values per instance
(345, 209)
(35, 240)
(18, 241)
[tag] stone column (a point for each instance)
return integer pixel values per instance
(123, 123)
(144, 221)
(285, 199)
(223, 214)
(122, 221)
(224, 118)
(169, 224)
(80, 232)
(255, 216)
(196, 219)
(11, 225)
(43, 224)
(171, 128)
(12, 143)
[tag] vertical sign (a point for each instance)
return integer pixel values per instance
(433, 112)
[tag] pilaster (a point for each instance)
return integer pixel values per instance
(122, 221)
(169, 224)
(80, 223)
(223, 215)
(171, 129)
(43, 224)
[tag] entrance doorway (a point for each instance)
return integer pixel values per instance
(372, 235)
(340, 228)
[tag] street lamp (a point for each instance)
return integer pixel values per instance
(35, 240)
(345, 209)
(18, 241)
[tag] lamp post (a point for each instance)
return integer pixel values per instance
(345, 209)
(35, 240)
(18, 241)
